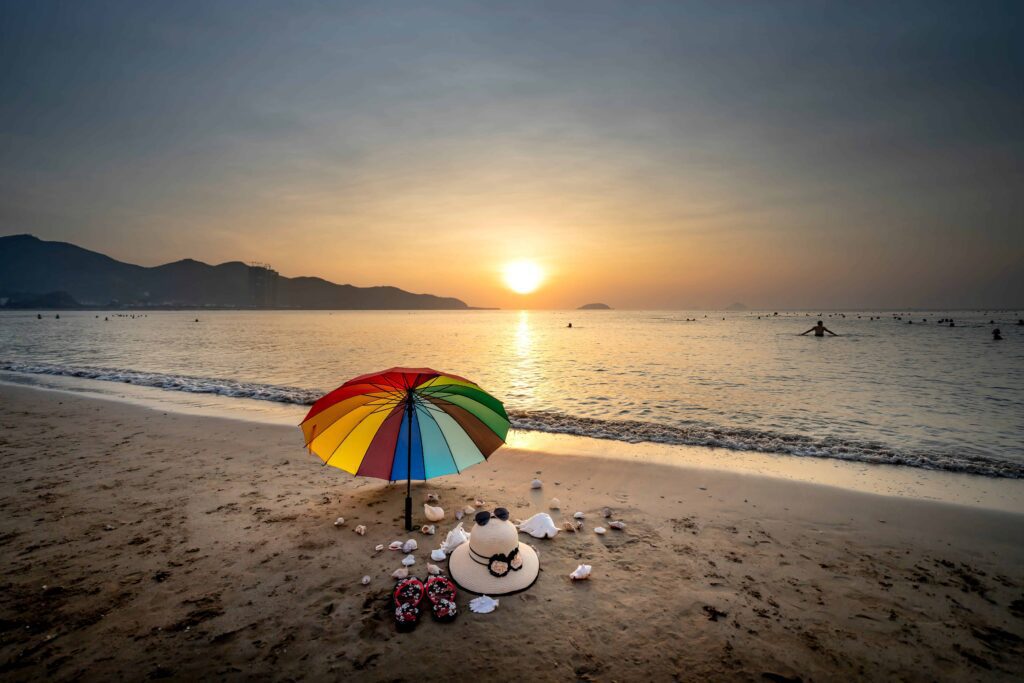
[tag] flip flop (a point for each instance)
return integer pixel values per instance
(408, 596)
(441, 593)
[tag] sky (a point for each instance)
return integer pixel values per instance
(647, 155)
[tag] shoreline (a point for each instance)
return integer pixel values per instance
(140, 544)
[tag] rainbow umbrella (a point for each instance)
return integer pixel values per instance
(405, 423)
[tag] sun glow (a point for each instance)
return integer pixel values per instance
(523, 277)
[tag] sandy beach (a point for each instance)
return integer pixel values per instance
(141, 544)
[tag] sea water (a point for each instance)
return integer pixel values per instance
(894, 388)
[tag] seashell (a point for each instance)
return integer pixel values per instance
(361, 530)
(432, 498)
(599, 530)
(365, 581)
(433, 514)
(578, 515)
(555, 504)
(536, 484)
(400, 573)
(479, 503)
(433, 569)
(339, 521)
(607, 512)
(540, 526)
(468, 510)
(410, 545)
(618, 526)
(483, 605)
(380, 546)
(395, 545)
(459, 514)
(438, 555)
(408, 560)
(428, 529)
(581, 572)
(571, 526)
(454, 539)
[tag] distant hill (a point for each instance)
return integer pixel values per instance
(34, 271)
(736, 307)
(594, 307)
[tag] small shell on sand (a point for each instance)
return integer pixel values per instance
(555, 504)
(361, 530)
(459, 514)
(536, 484)
(578, 515)
(468, 510)
(410, 545)
(432, 498)
(540, 526)
(571, 526)
(581, 572)
(433, 569)
(396, 545)
(599, 530)
(479, 503)
(433, 514)
(428, 529)
(365, 581)
(408, 560)
(437, 555)
(454, 539)
(340, 521)
(380, 546)
(607, 512)
(400, 573)
(483, 605)
(617, 525)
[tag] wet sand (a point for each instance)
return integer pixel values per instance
(138, 544)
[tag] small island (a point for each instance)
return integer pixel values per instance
(594, 307)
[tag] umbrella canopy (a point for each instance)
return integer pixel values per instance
(405, 423)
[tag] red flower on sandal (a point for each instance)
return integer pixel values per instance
(408, 596)
(441, 593)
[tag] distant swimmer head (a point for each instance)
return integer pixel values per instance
(820, 323)
(996, 335)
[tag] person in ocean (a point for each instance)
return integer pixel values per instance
(819, 330)
(997, 335)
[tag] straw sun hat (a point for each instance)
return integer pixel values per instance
(494, 562)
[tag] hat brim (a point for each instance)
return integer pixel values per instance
(474, 577)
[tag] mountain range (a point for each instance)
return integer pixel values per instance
(35, 273)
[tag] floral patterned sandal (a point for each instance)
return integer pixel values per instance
(408, 596)
(441, 593)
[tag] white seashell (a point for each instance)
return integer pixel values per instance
(339, 521)
(479, 503)
(433, 569)
(361, 530)
(468, 510)
(459, 514)
(408, 560)
(410, 545)
(607, 512)
(396, 545)
(578, 515)
(536, 484)
(380, 546)
(540, 526)
(555, 504)
(582, 572)
(433, 514)
(599, 530)
(438, 555)
(400, 573)
(428, 529)
(619, 526)
(365, 581)
(483, 605)
(454, 539)
(432, 498)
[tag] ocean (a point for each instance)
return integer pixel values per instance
(898, 389)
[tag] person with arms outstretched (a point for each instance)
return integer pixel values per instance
(819, 330)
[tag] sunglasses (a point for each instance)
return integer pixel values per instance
(484, 516)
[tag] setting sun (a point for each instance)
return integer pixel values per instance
(523, 277)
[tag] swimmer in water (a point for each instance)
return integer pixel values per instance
(819, 330)
(997, 335)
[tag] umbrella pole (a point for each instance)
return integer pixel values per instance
(408, 471)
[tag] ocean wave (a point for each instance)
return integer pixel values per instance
(631, 431)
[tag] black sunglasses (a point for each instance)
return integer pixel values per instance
(484, 516)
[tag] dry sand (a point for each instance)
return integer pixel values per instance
(137, 544)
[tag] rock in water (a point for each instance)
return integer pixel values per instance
(540, 526)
